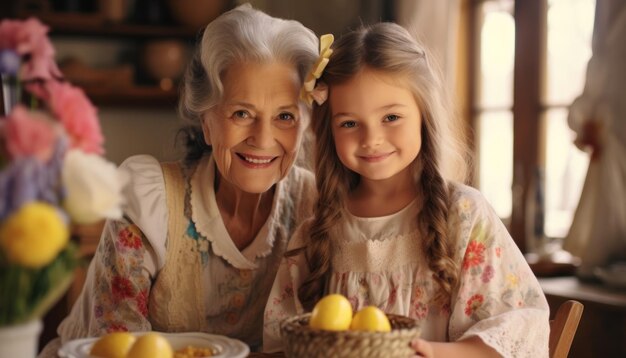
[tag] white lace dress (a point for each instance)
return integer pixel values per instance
(378, 261)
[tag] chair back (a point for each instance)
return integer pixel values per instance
(563, 328)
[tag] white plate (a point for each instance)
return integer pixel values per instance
(226, 347)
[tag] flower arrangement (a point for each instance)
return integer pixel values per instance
(52, 173)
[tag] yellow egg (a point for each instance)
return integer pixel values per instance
(151, 345)
(113, 345)
(371, 319)
(332, 313)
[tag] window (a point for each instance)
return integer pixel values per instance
(494, 116)
(570, 25)
(524, 145)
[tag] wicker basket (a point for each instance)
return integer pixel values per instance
(302, 341)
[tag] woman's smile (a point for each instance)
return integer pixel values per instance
(256, 161)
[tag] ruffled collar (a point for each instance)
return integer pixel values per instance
(208, 221)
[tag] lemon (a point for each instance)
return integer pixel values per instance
(113, 345)
(332, 313)
(371, 319)
(151, 345)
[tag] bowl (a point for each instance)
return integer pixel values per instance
(613, 275)
(300, 340)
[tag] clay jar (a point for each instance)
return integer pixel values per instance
(196, 13)
(164, 61)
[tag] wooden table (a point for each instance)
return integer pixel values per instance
(602, 328)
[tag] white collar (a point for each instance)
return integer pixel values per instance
(208, 221)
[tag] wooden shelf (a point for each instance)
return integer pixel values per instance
(78, 24)
(132, 96)
(94, 25)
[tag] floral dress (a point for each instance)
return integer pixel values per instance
(378, 261)
(126, 287)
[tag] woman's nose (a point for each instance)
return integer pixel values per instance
(262, 135)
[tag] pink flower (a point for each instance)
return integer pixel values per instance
(487, 274)
(77, 114)
(29, 134)
(29, 39)
(418, 310)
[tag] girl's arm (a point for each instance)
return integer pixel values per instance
(467, 348)
(498, 299)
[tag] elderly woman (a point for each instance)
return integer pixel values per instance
(201, 240)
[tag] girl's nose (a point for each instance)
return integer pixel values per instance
(262, 135)
(371, 137)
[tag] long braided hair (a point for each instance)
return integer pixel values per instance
(389, 48)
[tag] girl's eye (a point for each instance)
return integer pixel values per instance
(348, 124)
(391, 117)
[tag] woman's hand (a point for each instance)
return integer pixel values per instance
(423, 348)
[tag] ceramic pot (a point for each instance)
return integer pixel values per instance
(196, 13)
(20, 340)
(164, 59)
(113, 10)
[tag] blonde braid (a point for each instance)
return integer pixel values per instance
(436, 244)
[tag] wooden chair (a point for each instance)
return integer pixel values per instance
(563, 328)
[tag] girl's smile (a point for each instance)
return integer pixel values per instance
(375, 158)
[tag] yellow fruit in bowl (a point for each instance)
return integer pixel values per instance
(151, 345)
(331, 313)
(371, 319)
(112, 345)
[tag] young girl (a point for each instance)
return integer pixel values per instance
(392, 228)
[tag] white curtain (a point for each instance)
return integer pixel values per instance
(598, 231)
(436, 25)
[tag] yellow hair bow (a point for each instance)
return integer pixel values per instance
(310, 92)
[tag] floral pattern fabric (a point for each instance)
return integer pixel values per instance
(378, 261)
(132, 253)
(121, 303)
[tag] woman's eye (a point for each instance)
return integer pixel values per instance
(391, 117)
(286, 120)
(348, 124)
(241, 114)
(286, 116)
